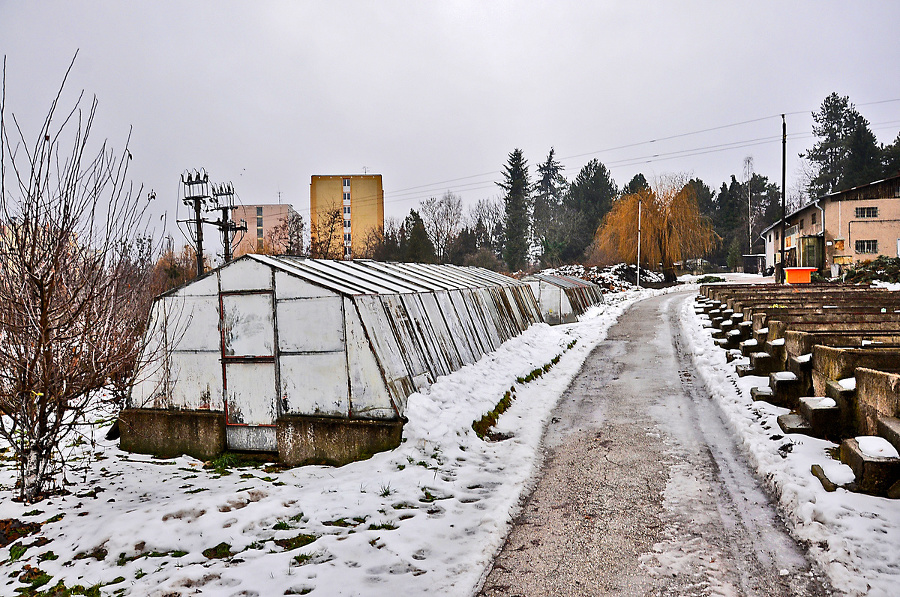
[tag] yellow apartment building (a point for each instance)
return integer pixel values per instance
(347, 208)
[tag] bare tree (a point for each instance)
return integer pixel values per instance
(443, 221)
(287, 237)
(74, 294)
(486, 219)
(326, 235)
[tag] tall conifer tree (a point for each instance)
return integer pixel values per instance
(517, 185)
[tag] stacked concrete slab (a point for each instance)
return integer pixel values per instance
(831, 354)
(311, 359)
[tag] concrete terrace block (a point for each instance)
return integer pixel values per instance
(749, 346)
(846, 401)
(744, 369)
(873, 474)
(889, 429)
(786, 388)
(762, 362)
(732, 354)
(794, 423)
(763, 393)
(823, 414)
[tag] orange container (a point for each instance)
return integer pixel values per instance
(798, 275)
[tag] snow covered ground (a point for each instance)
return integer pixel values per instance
(425, 518)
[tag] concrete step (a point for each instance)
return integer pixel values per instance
(749, 346)
(733, 354)
(846, 401)
(786, 388)
(762, 362)
(763, 393)
(743, 370)
(794, 423)
(717, 333)
(761, 335)
(889, 429)
(874, 474)
(823, 414)
(734, 338)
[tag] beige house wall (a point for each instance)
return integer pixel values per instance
(366, 208)
(259, 238)
(878, 220)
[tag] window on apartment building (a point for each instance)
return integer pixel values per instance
(347, 209)
(346, 182)
(866, 212)
(347, 238)
(867, 246)
(346, 223)
(346, 197)
(347, 252)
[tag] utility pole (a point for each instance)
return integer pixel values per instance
(195, 193)
(223, 200)
(781, 272)
(748, 169)
(639, 244)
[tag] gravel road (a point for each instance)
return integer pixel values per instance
(643, 490)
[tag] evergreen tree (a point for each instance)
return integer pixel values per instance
(891, 158)
(415, 246)
(864, 156)
(549, 190)
(847, 153)
(590, 195)
(705, 198)
(636, 184)
(832, 127)
(517, 185)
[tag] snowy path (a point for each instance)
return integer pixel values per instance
(644, 490)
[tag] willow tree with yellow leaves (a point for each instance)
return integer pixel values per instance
(672, 228)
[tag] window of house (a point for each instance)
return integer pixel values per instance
(346, 197)
(346, 223)
(812, 219)
(801, 224)
(867, 246)
(347, 209)
(866, 212)
(346, 182)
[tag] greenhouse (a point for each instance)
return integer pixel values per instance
(311, 359)
(562, 299)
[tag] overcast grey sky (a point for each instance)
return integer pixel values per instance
(434, 95)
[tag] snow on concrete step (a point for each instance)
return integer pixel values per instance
(875, 473)
(823, 414)
(889, 429)
(794, 423)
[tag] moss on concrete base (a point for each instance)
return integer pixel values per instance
(170, 433)
(322, 440)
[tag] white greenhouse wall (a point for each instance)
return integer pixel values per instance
(264, 337)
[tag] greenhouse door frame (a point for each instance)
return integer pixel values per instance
(249, 369)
